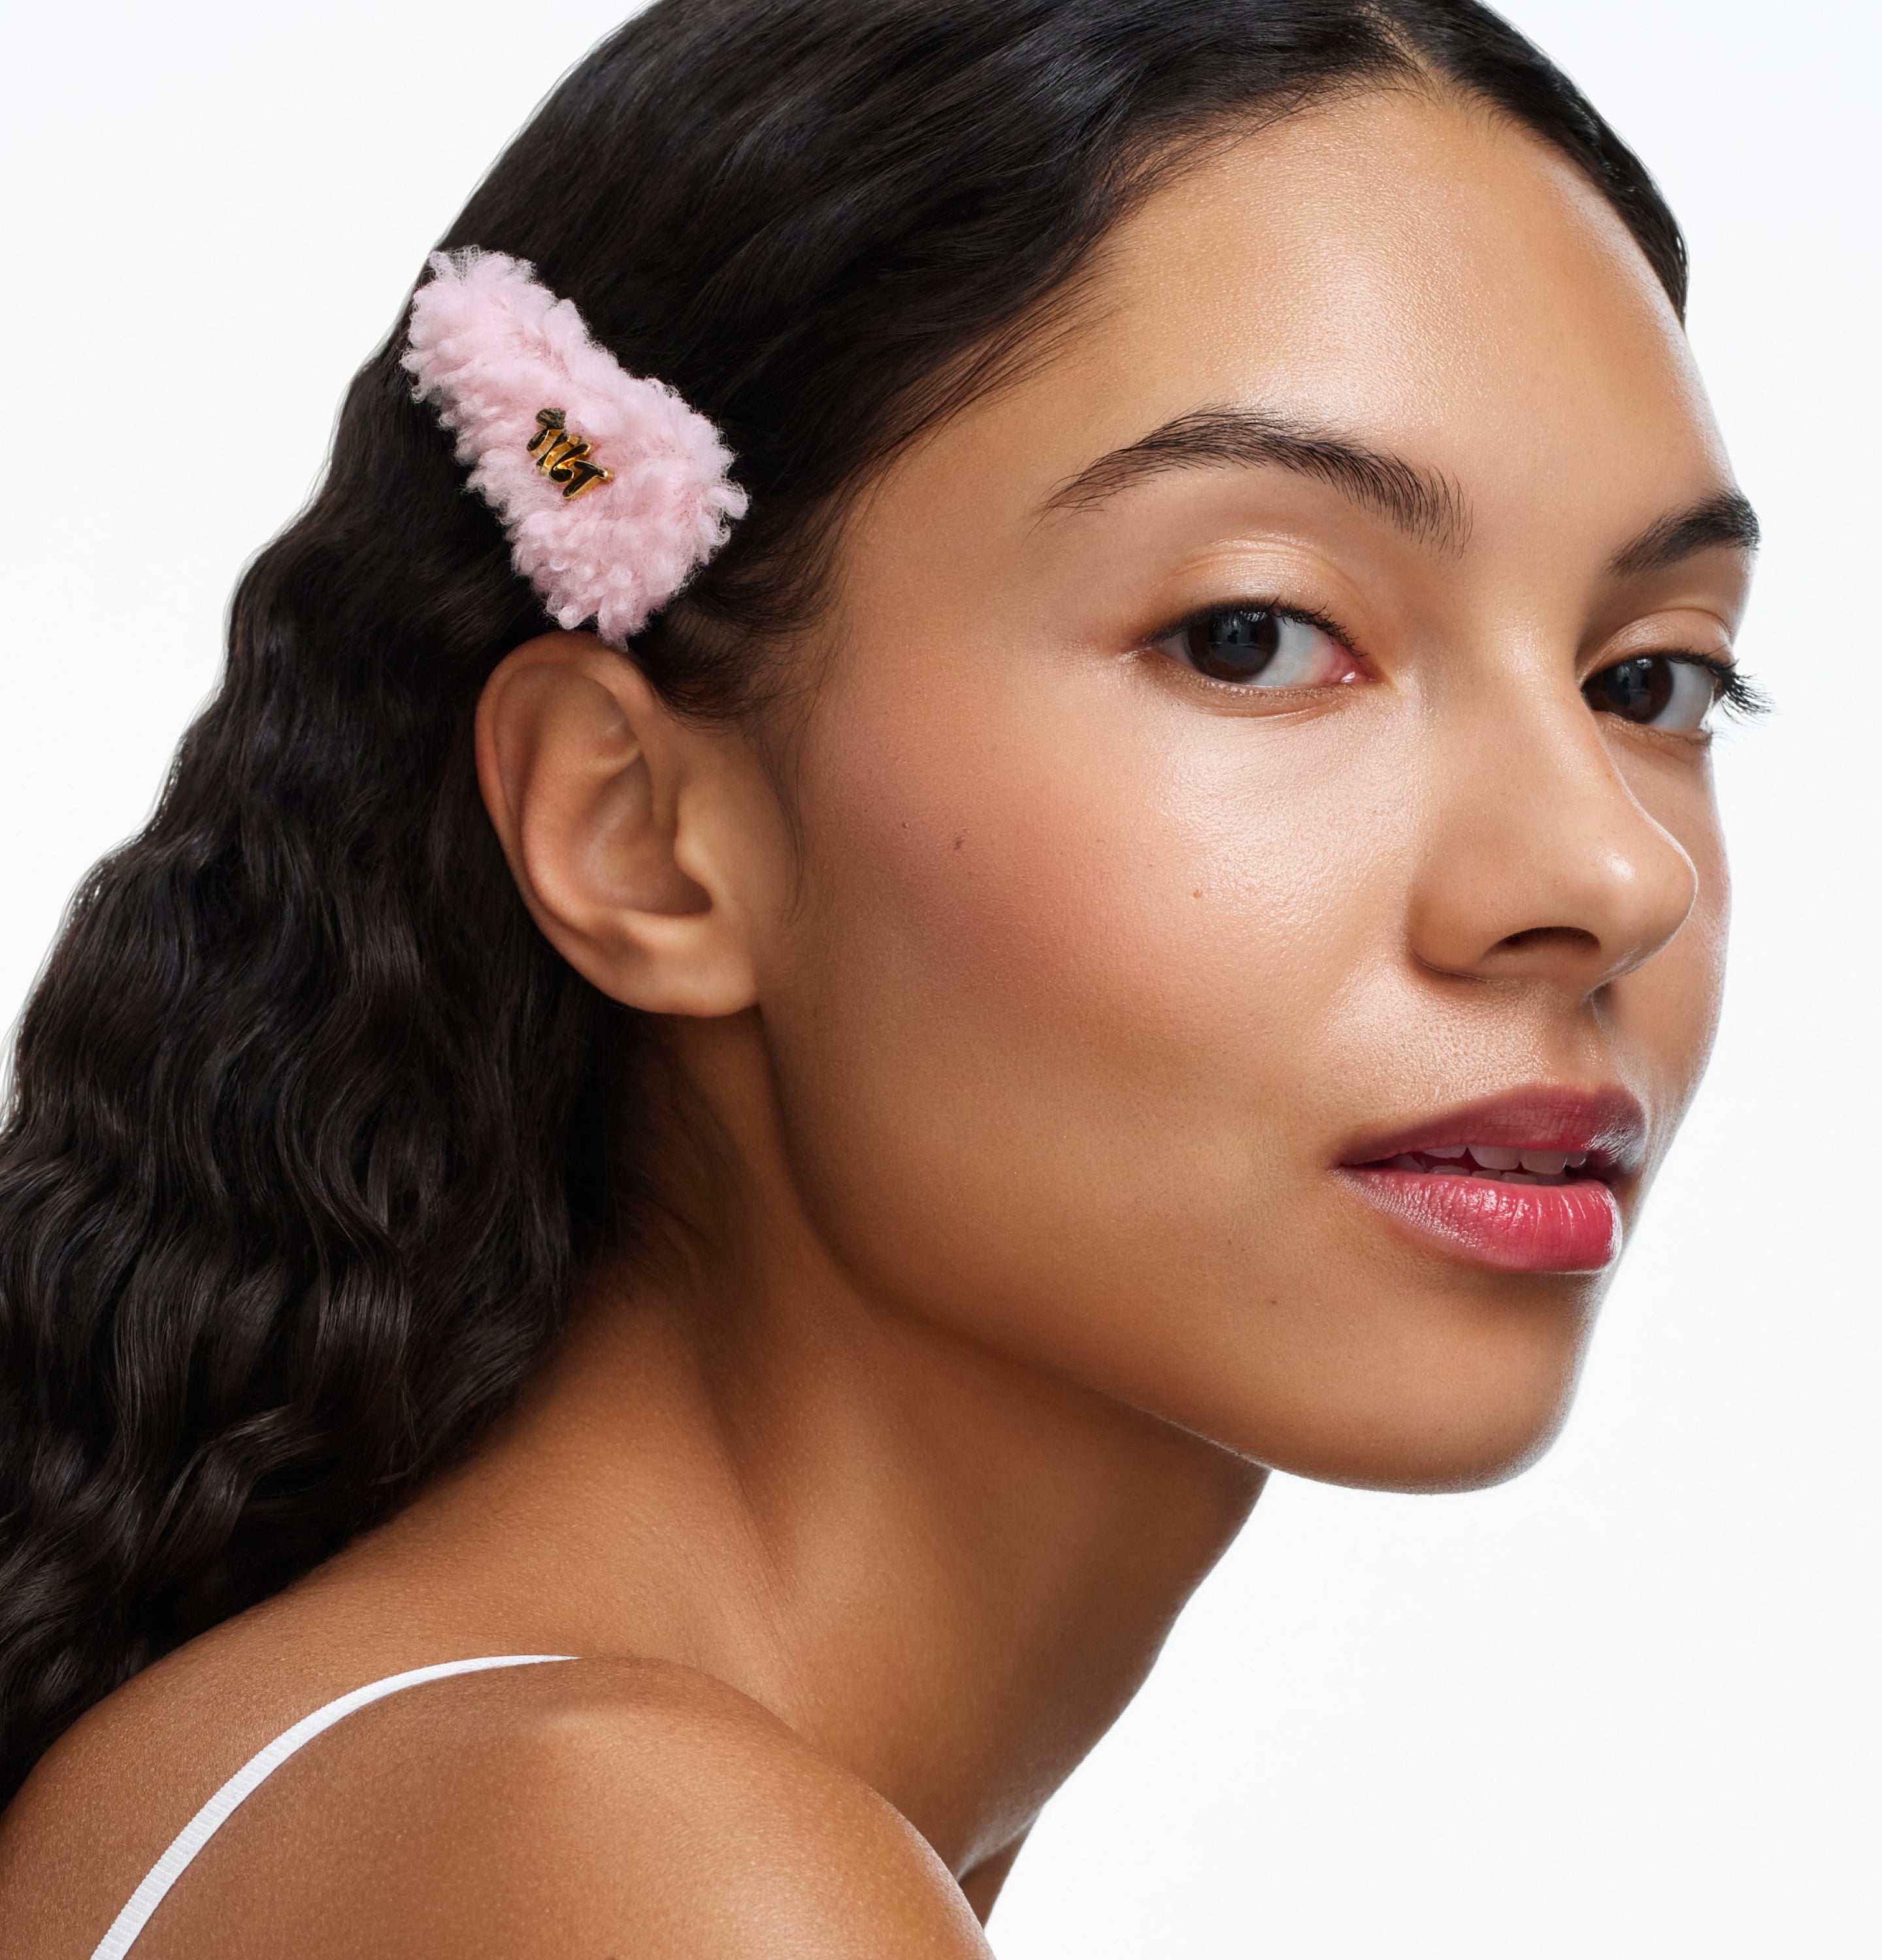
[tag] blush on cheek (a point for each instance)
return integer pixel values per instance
(996, 888)
(1159, 888)
(962, 858)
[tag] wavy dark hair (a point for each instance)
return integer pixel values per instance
(309, 1128)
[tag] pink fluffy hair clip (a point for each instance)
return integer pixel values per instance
(612, 491)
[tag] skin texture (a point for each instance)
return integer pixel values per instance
(1032, 988)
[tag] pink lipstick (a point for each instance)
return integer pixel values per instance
(1521, 1183)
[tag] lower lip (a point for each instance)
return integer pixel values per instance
(1515, 1228)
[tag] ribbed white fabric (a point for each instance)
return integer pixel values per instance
(260, 1767)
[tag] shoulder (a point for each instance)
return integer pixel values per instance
(650, 1808)
(583, 1809)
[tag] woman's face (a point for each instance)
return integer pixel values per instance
(1247, 754)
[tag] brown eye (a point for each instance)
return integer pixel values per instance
(1261, 647)
(1236, 645)
(1655, 691)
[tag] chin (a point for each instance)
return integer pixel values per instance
(1448, 1464)
(1461, 1421)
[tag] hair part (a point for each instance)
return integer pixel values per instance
(310, 1129)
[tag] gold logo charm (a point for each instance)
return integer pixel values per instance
(563, 458)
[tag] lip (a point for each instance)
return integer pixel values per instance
(1607, 1125)
(1571, 1227)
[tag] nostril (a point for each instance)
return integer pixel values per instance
(1567, 939)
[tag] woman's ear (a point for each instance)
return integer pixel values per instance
(622, 826)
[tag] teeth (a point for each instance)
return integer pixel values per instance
(1495, 1159)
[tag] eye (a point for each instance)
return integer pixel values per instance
(1659, 691)
(1260, 646)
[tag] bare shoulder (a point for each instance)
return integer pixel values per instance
(649, 1808)
(585, 1811)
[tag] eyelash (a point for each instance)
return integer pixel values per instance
(1304, 615)
(1738, 695)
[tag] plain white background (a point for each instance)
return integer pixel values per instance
(1624, 1706)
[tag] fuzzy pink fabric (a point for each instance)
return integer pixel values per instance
(490, 346)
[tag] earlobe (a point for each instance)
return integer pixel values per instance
(615, 817)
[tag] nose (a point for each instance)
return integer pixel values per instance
(1540, 863)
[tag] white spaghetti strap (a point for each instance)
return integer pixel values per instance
(215, 1813)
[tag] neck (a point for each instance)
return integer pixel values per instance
(943, 1567)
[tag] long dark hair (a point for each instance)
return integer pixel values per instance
(309, 1127)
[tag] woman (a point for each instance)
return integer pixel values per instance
(1119, 889)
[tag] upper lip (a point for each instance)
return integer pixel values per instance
(1607, 1125)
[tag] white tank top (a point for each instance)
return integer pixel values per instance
(216, 1812)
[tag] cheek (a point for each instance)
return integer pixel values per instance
(1055, 1024)
(1095, 895)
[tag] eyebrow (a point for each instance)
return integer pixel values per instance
(1422, 503)
(1726, 519)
